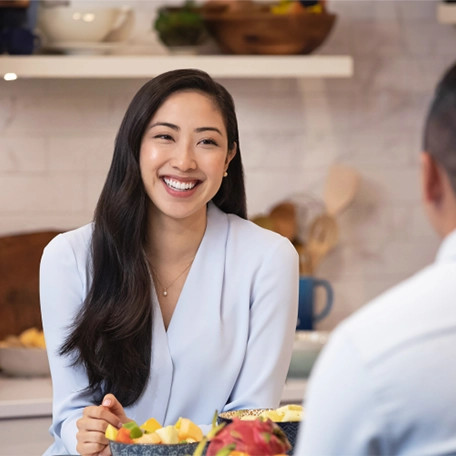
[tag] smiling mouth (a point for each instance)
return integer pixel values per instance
(179, 185)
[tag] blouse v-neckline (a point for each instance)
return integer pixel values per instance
(214, 240)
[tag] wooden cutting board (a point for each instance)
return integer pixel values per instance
(14, 3)
(20, 257)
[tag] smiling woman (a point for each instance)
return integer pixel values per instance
(170, 283)
(184, 155)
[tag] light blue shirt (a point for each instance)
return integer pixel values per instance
(386, 382)
(228, 345)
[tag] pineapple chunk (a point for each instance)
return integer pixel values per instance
(187, 429)
(168, 434)
(151, 425)
(152, 438)
(111, 432)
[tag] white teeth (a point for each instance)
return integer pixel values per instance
(177, 185)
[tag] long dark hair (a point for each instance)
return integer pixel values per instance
(112, 335)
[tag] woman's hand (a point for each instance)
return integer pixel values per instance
(92, 426)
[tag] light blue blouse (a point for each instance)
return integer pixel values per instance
(228, 345)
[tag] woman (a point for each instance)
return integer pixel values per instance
(170, 303)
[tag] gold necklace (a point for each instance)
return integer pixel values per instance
(165, 289)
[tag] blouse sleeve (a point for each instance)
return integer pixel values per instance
(273, 317)
(62, 288)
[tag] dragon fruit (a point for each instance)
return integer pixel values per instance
(253, 438)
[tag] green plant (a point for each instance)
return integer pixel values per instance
(180, 26)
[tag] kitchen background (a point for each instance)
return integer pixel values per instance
(56, 140)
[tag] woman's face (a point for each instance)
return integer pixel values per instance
(184, 154)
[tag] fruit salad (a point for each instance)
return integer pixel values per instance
(152, 432)
(290, 412)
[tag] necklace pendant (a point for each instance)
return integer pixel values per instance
(165, 292)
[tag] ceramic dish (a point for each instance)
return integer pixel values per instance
(24, 362)
(306, 348)
(137, 449)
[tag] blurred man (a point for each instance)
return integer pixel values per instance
(386, 382)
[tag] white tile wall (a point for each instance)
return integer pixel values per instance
(56, 140)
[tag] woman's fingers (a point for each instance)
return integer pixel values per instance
(111, 403)
(102, 413)
(105, 452)
(93, 423)
(90, 443)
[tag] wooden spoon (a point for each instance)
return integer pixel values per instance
(305, 260)
(323, 236)
(340, 188)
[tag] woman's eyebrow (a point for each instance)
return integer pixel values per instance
(164, 124)
(202, 129)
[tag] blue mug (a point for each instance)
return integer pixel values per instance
(306, 313)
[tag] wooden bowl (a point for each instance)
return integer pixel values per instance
(259, 31)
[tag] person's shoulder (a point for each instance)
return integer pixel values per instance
(76, 239)
(395, 317)
(255, 235)
(244, 235)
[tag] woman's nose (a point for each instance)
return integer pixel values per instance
(184, 157)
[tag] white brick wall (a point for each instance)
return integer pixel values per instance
(56, 140)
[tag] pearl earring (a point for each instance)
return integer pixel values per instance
(225, 174)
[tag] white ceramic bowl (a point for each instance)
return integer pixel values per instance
(24, 362)
(307, 346)
(82, 24)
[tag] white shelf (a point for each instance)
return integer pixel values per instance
(219, 66)
(446, 13)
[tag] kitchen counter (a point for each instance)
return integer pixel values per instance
(24, 436)
(25, 397)
(25, 415)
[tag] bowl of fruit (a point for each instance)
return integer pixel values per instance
(153, 439)
(277, 28)
(24, 355)
(287, 418)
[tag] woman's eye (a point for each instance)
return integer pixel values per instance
(208, 141)
(164, 137)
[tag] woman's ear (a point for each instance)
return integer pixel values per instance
(230, 155)
(431, 179)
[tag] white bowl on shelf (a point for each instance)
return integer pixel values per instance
(84, 23)
(307, 346)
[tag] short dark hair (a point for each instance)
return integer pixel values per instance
(439, 138)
